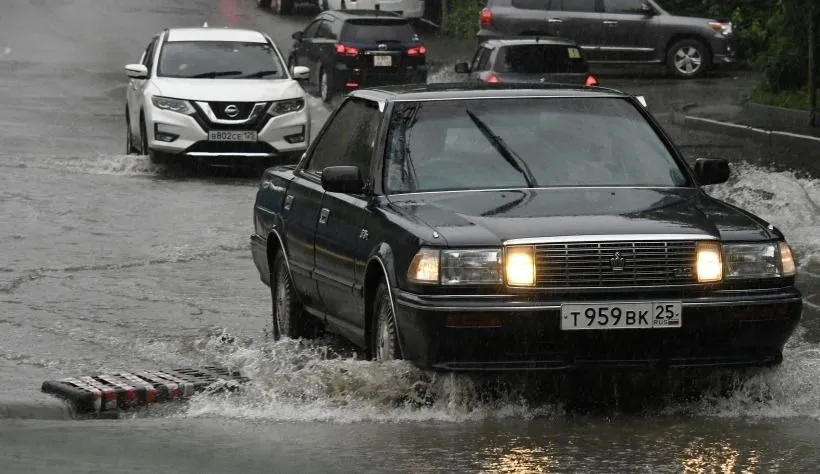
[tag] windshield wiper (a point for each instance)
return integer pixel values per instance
(504, 150)
(211, 75)
(260, 74)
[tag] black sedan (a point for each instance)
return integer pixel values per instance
(493, 227)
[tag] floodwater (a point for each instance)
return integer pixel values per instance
(110, 263)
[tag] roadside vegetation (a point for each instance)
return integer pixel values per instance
(776, 38)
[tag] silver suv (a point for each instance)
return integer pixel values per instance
(617, 31)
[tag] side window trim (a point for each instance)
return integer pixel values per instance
(303, 168)
(310, 25)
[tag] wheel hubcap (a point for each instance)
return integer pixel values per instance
(688, 60)
(384, 344)
(281, 308)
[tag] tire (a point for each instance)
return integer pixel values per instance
(324, 6)
(325, 88)
(291, 64)
(143, 137)
(689, 58)
(344, 5)
(288, 317)
(130, 149)
(384, 339)
(263, 3)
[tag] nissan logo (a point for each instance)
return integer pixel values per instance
(231, 111)
(382, 46)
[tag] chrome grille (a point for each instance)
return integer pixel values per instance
(611, 264)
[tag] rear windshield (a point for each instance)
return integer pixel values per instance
(378, 31)
(541, 59)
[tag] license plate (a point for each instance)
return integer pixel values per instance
(603, 316)
(383, 60)
(232, 136)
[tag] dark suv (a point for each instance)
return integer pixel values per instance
(618, 31)
(349, 49)
(529, 60)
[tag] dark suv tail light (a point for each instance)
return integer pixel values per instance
(419, 51)
(591, 81)
(485, 18)
(346, 50)
(491, 78)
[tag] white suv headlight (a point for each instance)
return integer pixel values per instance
(768, 260)
(281, 107)
(173, 105)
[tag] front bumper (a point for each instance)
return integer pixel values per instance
(490, 333)
(724, 50)
(277, 136)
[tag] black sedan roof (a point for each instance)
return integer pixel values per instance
(465, 90)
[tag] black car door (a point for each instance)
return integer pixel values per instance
(300, 214)
(323, 52)
(342, 219)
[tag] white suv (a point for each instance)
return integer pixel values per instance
(216, 94)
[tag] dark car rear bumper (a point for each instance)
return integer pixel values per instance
(725, 331)
(347, 79)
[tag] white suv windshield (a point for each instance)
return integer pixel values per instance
(219, 59)
(594, 141)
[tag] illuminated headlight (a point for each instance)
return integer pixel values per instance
(286, 106)
(769, 260)
(456, 267)
(709, 263)
(519, 265)
(174, 105)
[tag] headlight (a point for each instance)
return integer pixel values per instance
(174, 105)
(724, 28)
(709, 264)
(769, 260)
(286, 106)
(519, 265)
(456, 267)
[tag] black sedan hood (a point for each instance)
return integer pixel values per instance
(492, 217)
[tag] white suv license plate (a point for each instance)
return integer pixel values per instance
(232, 136)
(604, 316)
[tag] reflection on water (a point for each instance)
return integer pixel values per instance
(518, 460)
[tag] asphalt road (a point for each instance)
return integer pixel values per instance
(109, 263)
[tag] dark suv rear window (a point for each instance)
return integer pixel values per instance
(378, 31)
(540, 59)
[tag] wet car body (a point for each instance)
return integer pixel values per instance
(528, 60)
(636, 248)
(351, 49)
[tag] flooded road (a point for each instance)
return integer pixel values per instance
(109, 263)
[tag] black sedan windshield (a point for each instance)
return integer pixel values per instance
(219, 59)
(439, 145)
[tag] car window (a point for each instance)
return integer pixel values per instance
(222, 59)
(378, 30)
(310, 31)
(623, 6)
(541, 59)
(592, 141)
(532, 4)
(349, 138)
(148, 56)
(324, 31)
(481, 60)
(581, 6)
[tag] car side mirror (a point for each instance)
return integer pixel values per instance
(711, 171)
(462, 68)
(300, 73)
(342, 179)
(136, 71)
(647, 9)
(298, 35)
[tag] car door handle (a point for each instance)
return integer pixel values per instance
(554, 20)
(323, 215)
(610, 22)
(288, 201)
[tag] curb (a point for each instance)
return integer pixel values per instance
(768, 137)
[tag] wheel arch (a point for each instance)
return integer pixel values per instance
(275, 245)
(380, 268)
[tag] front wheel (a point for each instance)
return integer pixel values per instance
(689, 58)
(384, 339)
(286, 7)
(130, 149)
(289, 318)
